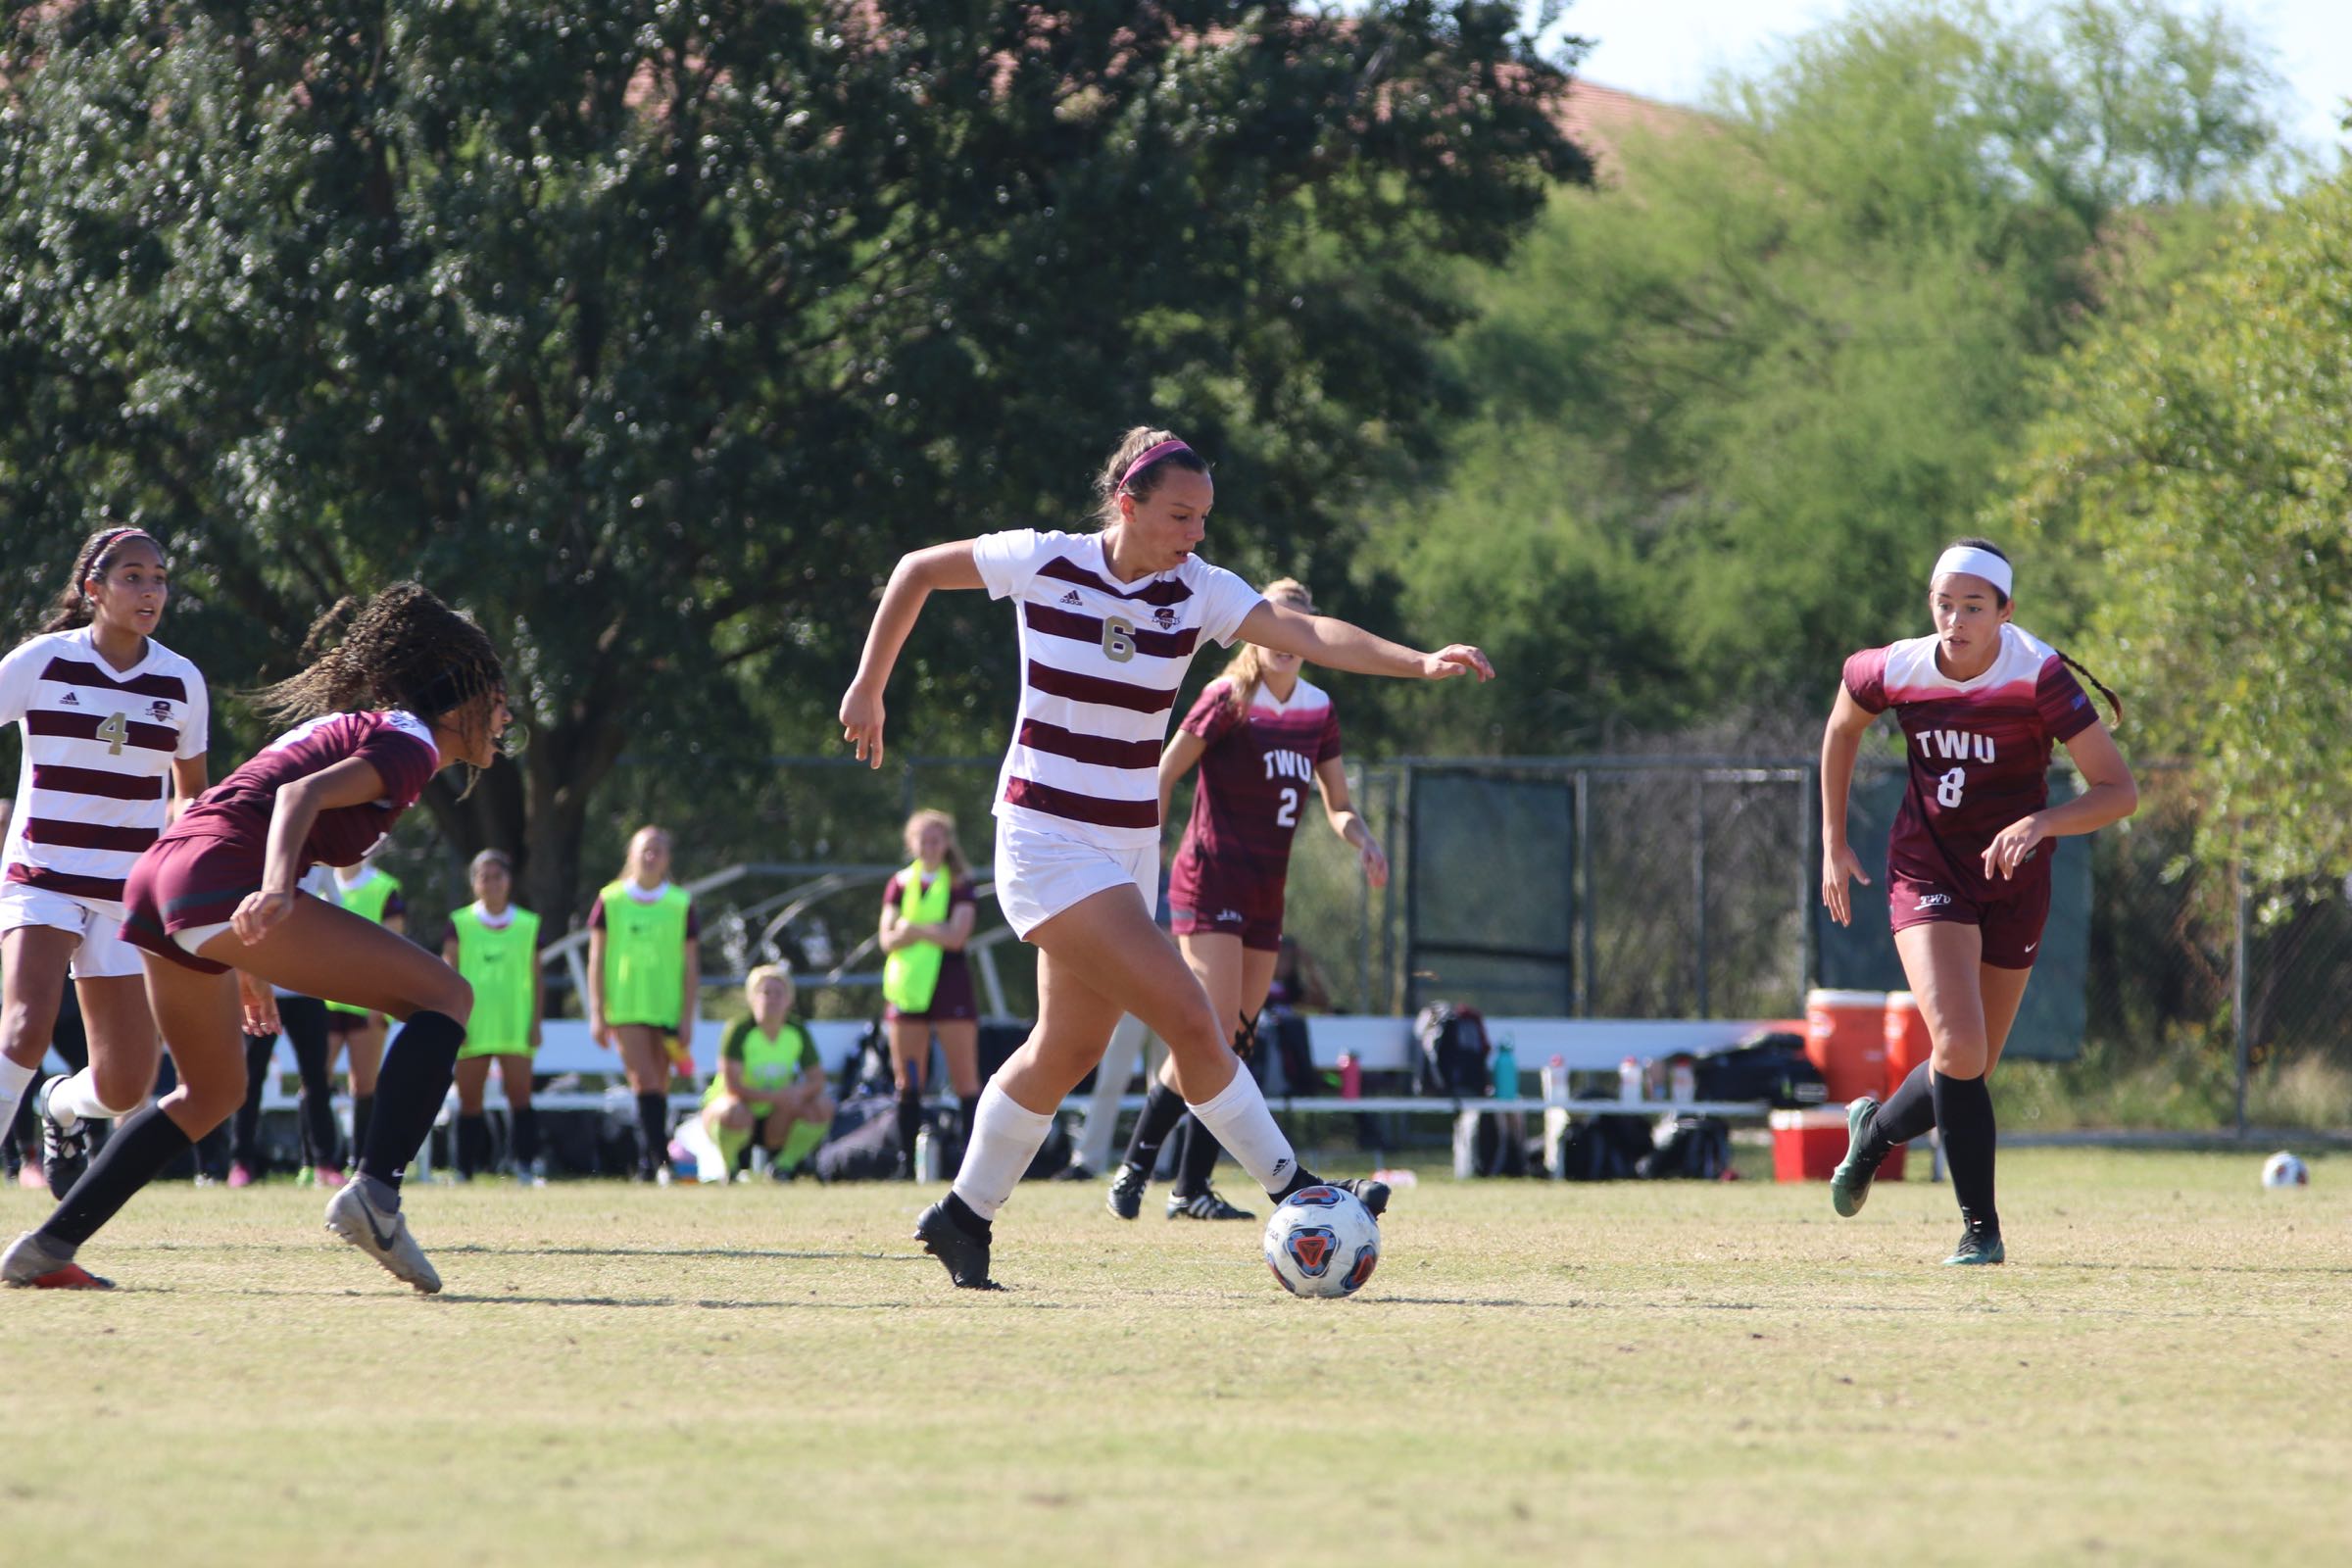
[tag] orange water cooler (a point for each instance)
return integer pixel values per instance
(1846, 1040)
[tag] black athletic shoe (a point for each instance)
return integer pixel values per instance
(965, 1256)
(1208, 1206)
(1374, 1194)
(1125, 1199)
(65, 1154)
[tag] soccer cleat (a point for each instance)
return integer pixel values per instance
(966, 1255)
(1374, 1196)
(240, 1174)
(1207, 1205)
(382, 1237)
(64, 1150)
(1125, 1199)
(30, 1266)
(329, 1177)
(1979, 1244)
(1849, 1184)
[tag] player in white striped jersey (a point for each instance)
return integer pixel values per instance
(115, 729)
(1108, 622)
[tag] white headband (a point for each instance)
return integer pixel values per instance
(1974, 562)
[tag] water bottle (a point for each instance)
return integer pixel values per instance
(1507, 1069)
(926, 1156)
(1629, 1079)
(1555, 1078)
(1682, 1082)
(1352, 1076)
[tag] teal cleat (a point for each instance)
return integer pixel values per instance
(1849, 1184)
(1979, 1244)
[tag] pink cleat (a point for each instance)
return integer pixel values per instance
(330, 1176)
(240, 1175)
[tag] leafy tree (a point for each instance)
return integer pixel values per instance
(1733, 402)
(653, 332)
(2199, 460)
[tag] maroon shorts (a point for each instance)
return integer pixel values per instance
(2010, 915)
(950, 1000)
(179, 883)
(1249, 909)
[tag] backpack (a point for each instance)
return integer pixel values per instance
(862, 1145)
(1452, 1061)
(1699, 1149)
(1770, 1068)
(1284, 1058)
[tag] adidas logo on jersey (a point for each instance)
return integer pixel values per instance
(1071, 598)
(69, 701)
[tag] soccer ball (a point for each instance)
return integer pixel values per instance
(2281, 1169)
(1322, 1242)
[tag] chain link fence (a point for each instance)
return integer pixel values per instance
(1642, 887)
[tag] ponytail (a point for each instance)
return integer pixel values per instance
(2114, 703)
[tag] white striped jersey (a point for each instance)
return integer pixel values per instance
(1101, 664)
(95, 786)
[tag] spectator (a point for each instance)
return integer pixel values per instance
(927, 913)
(769, 1091)
(644, 970)
(495, 945)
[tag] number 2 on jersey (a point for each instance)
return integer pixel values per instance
(114, 731)
(1948, 787)
(1287, 815)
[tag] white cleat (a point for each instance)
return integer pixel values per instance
(381, 1236)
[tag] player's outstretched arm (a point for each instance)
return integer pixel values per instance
(918, 571)
(1338, 644)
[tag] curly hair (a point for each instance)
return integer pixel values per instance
(402, 648)
(71, 608)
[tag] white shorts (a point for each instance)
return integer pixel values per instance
(103, 953)
(1040, 874)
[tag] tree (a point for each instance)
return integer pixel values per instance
(2198, 461)
(1735, 401)
(654, 332)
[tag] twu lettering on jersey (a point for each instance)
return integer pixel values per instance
(1955, 746)
(1289, 765)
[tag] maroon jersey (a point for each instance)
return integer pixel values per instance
(398, 746)
(1255, 776)
(1980, 750)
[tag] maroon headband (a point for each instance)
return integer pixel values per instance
(117, 537)
(1148, 457)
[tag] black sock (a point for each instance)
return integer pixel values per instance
(473, 1143)
(1964, 1110)
(526, 1134)
(1907, 1113)
(362, 1117)
(418, 1065)
(911, 1119)
(1301, 1179)
(969, 1106)
(1163, 1109)
(245, 1141)
(965, 1218)
(1196, 1159)
(144, 1143)
(653, 1131)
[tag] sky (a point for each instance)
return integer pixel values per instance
(1668, 48)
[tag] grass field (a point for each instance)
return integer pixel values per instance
(1597, 1374)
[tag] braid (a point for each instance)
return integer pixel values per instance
(2114, 703)
(71, 607)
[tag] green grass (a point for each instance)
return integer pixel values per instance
(1605, 1374)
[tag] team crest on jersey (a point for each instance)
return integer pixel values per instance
(159, 710)
(1166, 617)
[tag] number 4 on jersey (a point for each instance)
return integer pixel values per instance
(114, 731)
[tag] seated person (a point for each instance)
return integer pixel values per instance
(769, 1090)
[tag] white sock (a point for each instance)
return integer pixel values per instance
(1246, 1127)
(77, 1096)
(1006, 1138)
(14, 1080)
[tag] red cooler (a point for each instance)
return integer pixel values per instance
(1846, 1040)
(1906, 1038)
(1807, 1145)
